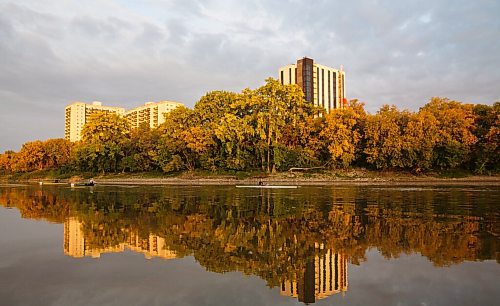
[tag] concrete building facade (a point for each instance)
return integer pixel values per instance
(323, 86)
(77, 114)
(150, 113)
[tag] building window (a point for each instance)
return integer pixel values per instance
(290, 75)
(281, 78)
(335, 90)
(329, 93)
(343, 92)
(317, 85)
(323, 87)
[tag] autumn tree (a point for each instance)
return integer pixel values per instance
(184, 142)
(486, 152)
(270, 109)
(31, 157)
(456, 126)
(235, 136)
(420, 136)
(103, 137)
(39, 155)
(299, 144)
(212, 107)
(215, 110)
(342, 133)
(384, 141)
(7, 161)
(58, 153)
(141, 150)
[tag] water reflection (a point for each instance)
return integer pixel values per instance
(300, 241)
(322, 277)
(77, 245)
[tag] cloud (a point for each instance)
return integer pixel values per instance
(128, 52)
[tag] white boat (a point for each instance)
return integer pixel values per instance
(268, 186)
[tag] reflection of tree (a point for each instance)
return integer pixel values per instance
(35, 203)
(271, 234)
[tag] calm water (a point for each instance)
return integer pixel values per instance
(221, 245)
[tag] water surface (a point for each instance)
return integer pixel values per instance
(220, 245)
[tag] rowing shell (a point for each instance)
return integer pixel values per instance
(267, 186)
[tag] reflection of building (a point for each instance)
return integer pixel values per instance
(75, 243)
(323, 86)
(77, 114)
(325, 276)
(150, 113)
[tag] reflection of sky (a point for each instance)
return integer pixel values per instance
(34, 271)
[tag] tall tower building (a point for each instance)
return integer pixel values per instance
(77, 114)
(323, 86)
(150, 113)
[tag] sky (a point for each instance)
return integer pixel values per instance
(125, 53)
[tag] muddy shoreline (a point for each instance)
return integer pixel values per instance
(483, 181)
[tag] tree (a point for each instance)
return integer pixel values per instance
(211, 110)
(456, 126)
(181, 141)
(103, 137)
(7, 161)
(235, 136)
(141, 150)
(58, 153)
(384, 137)
(269, 110)
(212, 107)
(420, 136)
(342, 133)
(31, 157)
(486, 151)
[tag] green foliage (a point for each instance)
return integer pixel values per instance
(286, 158)
(102, 148)
(486, 153)
(141, 150)
(174, 164)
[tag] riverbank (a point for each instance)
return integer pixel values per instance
(334, 177)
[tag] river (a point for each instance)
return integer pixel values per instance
(222, 245)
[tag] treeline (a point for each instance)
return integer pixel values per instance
(273, 128)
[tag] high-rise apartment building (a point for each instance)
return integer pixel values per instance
(150, 113)
(323, 86)
(77, 114)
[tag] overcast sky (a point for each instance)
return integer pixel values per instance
(125, 53)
